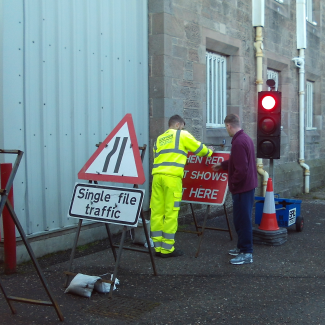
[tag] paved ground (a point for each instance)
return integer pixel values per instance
(284, 285)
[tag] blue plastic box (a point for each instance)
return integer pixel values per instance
(287, 212)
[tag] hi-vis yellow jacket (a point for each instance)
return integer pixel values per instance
(170, 152)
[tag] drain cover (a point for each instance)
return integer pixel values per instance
(122, 307)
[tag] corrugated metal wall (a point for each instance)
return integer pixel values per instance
(71, 70)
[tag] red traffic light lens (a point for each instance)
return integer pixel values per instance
(268, 102)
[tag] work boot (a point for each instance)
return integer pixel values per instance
(175, 253)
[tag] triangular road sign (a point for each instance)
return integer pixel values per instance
(117, 159)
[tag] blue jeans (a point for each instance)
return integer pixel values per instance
(242, 215)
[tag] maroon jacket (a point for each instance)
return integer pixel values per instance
(242, 173)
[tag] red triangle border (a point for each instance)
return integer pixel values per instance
(111, 178)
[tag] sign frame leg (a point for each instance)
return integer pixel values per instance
(5, 202)
(119, 254)
(202, 230)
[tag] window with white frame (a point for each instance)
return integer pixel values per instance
(309, 11)
(272, 74)
(310, 105)
(216, 66)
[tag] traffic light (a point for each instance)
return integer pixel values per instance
(268, 124)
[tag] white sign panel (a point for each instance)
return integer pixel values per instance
(109, 204)
(117, 157)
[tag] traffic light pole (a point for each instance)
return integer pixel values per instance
(271, 170)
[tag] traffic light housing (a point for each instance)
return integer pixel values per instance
(269, 124)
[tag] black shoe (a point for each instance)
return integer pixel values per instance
(158, 254)
(175, 253)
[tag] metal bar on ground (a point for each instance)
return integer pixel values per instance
(13, 310)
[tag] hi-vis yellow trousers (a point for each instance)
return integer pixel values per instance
(165, 202)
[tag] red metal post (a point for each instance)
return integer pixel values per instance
(9, 230)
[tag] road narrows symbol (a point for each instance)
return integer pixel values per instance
(120, 155)
(111, 153)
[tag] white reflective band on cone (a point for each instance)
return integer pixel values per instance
(269, 205)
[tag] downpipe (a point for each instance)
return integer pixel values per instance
(300, 64)
(258, 45)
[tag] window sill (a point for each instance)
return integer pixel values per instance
(312, 136)
(217, 136)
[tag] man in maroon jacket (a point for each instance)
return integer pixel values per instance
(242, 181)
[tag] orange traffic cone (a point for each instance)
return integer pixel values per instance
(269, 221)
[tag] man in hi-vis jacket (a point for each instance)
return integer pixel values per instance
(170, 155)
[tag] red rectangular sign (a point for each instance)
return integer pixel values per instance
(203, 185)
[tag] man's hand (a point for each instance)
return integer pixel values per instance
(211, 148)
(216, 167)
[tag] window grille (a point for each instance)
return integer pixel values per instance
(310, 104)
(271, 74)
(216, 89)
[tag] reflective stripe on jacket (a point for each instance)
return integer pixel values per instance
(170, 152)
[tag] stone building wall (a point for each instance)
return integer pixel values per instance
(180, 33)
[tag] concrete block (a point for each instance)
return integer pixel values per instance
(160, 87)
(167, 107)
(185, 14)
(199, 73)
(163, 23)
(188, 75)
(192, 32)
(179, 52)
(158, 107)
(193, 114)
(158, 66)
(164, 65)
(192, 104)
(236, 80)
(160, 44)
(237, 63)
(193, 55)
(173, 106)
(188, 83)
(157, 126)
(158, 6)
(188, 65)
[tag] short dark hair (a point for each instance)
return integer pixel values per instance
(175, 119)
(232, 119)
